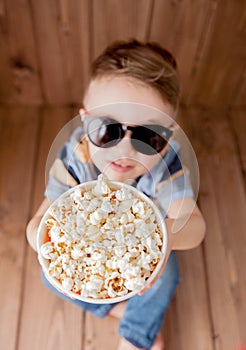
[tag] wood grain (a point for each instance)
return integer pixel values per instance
(181, 27)
(119, 20)
(237, 119)
(215, 83)
(52, 322)
(19, 67)
(189, 313)
(17, 147)
(222, 199)
(50, 53)
(74, 37)
(100, 333)
(238, 96)
(47, 47)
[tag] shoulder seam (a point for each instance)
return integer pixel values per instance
(174, 176)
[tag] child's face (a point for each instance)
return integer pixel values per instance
(129, 103)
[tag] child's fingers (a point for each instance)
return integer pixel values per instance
(151, 283)
(145, 289)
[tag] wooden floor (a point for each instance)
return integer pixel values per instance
(209, 309)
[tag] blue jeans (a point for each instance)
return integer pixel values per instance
(144, 314)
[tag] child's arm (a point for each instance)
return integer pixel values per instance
(185, 224)
(33, 224)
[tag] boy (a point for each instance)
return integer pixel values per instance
(127, 134)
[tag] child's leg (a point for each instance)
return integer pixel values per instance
(99, 310)
(144, 314)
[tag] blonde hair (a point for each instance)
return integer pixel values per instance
(147, 62)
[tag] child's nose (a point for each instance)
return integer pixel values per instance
(126, 143)
(127, 135)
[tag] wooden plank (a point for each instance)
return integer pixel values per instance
(5, 68)
(17, 151)
(181, 27)
(239, 95)
(222, 58)
(50, 53)
(224, 315)
(58, 324)
(19, 69)
(170, 328)
(100, 333)
(187, 325)
(119, 20)
(223, 203)
(184, 316)
(74, 35)
(238, 123)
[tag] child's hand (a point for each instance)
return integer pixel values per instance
(31, 231)
(32, 227)
(168, 222)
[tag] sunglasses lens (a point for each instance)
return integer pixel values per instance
(103, 132)
(148, 141)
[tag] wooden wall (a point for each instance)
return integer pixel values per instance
(46, 46)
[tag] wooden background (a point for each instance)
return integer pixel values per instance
(47, 46)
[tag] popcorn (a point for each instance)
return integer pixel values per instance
(123, 194)
(119, 235)
(67, 283)
(124, 219)
(115, 285)
(77, 253)
(103, 242)
(46, 250)
(94, 284)
(136, 283)
(138, 208)
(120, 251)
(55, 270)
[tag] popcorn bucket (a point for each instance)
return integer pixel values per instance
(101, 242)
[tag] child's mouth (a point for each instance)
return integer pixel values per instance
(121, 167)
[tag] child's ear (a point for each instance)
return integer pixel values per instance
(174, 127)
(82, 112)
(82, 150)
